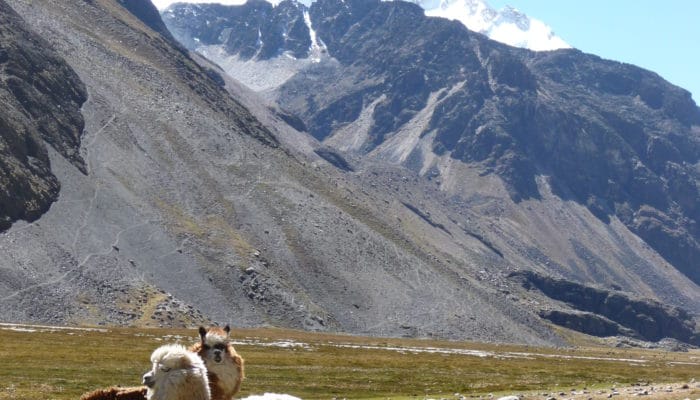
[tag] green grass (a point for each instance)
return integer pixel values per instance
(63, 364)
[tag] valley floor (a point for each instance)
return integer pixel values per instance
(42, 362)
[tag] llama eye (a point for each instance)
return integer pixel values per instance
(165, 369)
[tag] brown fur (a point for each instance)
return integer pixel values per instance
(116, 393)
(225, 377)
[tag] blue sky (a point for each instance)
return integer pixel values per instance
(662, 36)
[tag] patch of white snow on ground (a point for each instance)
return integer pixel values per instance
(318, 48)
(271, 396)
(286, 344)
(259, 75)
(45, 328)
(434, 350)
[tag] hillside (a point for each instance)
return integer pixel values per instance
(352, 192)
(191, 211)
(574, 157)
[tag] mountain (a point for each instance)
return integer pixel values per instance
(376, 172)
(197, 202)
(560, 162)
(508, 25)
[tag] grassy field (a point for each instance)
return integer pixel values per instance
(49, 363)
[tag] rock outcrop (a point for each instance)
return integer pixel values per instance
(607, 313)
(41, 98)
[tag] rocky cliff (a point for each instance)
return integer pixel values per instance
(606, 313)
(41, 97)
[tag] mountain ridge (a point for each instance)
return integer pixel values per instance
(387, 88)
(192, 213)
(202, 204)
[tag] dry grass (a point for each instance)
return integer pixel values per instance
(62, 364)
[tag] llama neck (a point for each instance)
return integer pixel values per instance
(227, 377)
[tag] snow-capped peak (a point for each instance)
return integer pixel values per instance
(507, 25)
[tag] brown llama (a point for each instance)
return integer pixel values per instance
(224, 366)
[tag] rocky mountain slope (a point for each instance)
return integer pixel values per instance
(362, 205)
(559, 162)
(192, 210)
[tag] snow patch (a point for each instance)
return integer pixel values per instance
(262, 75)
(433, 350)
(285, 344)
(318, 48)
(258, 75)
(507, 25)
(271, 396)
(45, 328)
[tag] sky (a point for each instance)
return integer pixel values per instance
(661, 36)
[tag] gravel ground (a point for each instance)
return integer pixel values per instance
(646, 390)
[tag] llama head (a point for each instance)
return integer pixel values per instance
(176, 373)
(214, 343)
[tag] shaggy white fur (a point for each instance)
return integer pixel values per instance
(177, 374)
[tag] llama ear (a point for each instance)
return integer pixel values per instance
(202, 333)
(227, 329)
